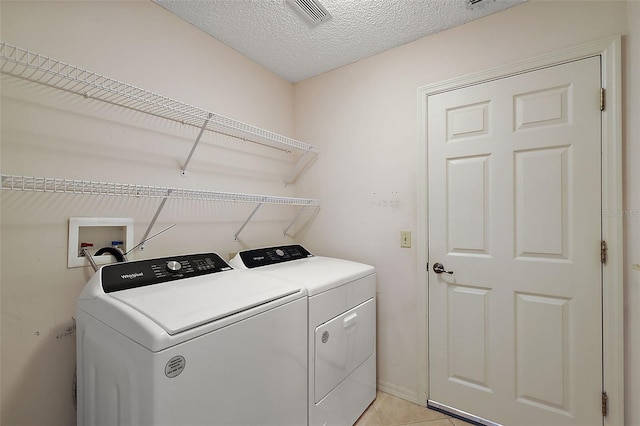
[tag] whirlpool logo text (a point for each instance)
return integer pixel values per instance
(131, 276)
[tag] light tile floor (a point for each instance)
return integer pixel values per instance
(387, 410)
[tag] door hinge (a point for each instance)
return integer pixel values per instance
(603, 252)
(605, 404)
(603, 95)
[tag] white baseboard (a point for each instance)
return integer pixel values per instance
(395, 390)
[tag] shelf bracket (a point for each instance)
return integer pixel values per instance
(295, 219)
(195, 144)
(155, 218)
(235, 236)
(302, 162)
(85, 253)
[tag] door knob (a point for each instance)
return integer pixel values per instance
(438, 268)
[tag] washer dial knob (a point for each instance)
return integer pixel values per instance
(280, 252)
(174, 266)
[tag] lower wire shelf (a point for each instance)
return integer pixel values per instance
(88, 187)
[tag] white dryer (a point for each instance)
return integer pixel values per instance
(341, 327)
(186, 340)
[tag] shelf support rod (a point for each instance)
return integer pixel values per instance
(235, 236)
(295, 219)
(85, 253)
(300, 165)
(195, 144)
(155, 218)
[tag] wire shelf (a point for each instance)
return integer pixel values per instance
(87, 187)
(32, 66)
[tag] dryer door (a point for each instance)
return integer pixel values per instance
(341, 345)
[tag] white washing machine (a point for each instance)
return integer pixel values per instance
(341, 327)
(186, 340)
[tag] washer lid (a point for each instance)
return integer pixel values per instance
(180, 305)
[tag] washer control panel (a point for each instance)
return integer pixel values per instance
(271, 255)
(139, 273)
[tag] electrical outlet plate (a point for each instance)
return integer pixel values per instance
(99, 231)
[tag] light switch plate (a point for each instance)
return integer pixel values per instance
(405, 239)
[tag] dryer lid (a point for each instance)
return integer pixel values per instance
(318, 274)
(181, 305)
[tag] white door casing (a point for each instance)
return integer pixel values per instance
(472, 238)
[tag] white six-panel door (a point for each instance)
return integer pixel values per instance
(514, 196)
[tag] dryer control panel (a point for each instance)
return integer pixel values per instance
(271, 255)
(139, 273)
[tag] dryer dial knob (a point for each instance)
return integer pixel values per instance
(280, 252)
(174, 265)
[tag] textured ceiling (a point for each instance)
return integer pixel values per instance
(274, 35)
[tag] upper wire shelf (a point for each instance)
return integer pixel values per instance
(32, 66)
(86, 187)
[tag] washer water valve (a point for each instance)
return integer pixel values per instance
(114, 250)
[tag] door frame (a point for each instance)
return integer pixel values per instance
(609, 50)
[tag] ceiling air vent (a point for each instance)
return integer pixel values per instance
(311, 10)
(477, 4)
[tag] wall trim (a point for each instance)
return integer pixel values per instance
(399, 391)
(609, 50)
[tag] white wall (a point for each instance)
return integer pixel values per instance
(0, 268)
(363, 117)
(631, 152)
(46, 132)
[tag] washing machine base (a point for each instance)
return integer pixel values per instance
(241, 374)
